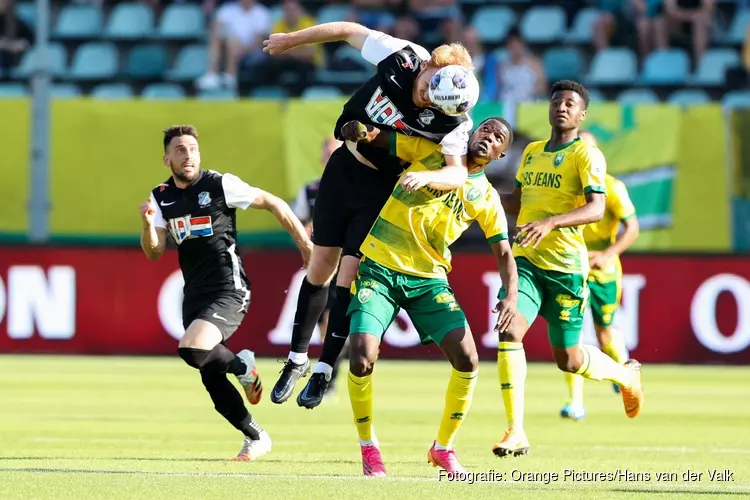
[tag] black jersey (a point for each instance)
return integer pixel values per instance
(201, 220)
(385, 101)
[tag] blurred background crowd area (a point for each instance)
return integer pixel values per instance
(632, 51)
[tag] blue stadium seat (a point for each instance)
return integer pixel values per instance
(130, 21)
(561, 63)
(736, 99)
(332, 13)
(739, 26)
(713, 65)
(321, 92)
(276, 12)
(328, 77)
(596, 95)
(582, 30)
(493, 22)
(112, 91)
(614, 66)
(351, 54)
(543, 24)
(78, 22)
(64, 90)
(26, 12)
(637, 96)
(269, 92)
(163, 91)
(191, 62)
(217, 95)
(94, 61)
(666, 67)
(56, 60)
(12, 90)
(182, 22)
(688, 97)
(147, 62)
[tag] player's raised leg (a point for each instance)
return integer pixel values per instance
(202, 348)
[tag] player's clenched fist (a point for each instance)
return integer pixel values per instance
(355, 131)
(148, 211)
(278, 43)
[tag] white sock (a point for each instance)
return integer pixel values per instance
(298, 358)
(440, 447)
(323, 368)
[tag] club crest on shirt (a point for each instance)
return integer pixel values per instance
(473, 194)
(364, 295)
(409, 62)
(426, 117)
(559, 157)
(204, 199)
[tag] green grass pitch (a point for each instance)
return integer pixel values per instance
(117, 427)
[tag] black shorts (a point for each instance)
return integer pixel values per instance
(349, 201)
(224, 310)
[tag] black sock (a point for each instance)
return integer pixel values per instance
(222, 360)
(337, 364)
(310, 306)
(338, 327)
(228, 402)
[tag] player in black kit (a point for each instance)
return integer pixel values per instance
(359, 178)
(197, 209)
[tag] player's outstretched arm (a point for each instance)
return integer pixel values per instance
(153, 237)
(506, 266)
(352, 33)
(284, 214)
(355, 131)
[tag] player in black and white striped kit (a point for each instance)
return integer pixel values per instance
(197, 208)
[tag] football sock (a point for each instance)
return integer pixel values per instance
(217, 360)
(457, 402)
(598, 366)
(311, 303)
(616, 347)
(321, 367)
(575, 388)
(228, 402)
(511, 368)
(338, 327)
(360, 395)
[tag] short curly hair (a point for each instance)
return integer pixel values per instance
(178, 131)
(573, 87)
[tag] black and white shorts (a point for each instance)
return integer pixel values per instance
(225, 310)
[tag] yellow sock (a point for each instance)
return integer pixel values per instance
(616, 347)
(575, 388)
(360, 395)
(511, 368)
(457, 402)
(598, 366)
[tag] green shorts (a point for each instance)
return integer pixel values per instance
(560, 298)
(605, 299)
(379, 293)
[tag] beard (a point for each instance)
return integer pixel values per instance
(184, 176)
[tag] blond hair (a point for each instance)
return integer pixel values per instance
(451, 54)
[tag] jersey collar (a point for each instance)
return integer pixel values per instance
(560, 147)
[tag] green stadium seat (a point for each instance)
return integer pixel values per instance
(56, 59)
(637, 96)
(163, 91)
(191, 62)
(129, 21)
(112, 91)
(493, 22)
(94, 61)
(147, 62)
(613, 66)
(78, 22)
(561, 63)
(182, 22)
(666, 67)
(543, 24)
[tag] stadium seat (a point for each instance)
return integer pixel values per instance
(147, 62)
(26, 12)
(129, 21)
(112, 91)
(637, 96)
(78, 22)
(163, 91)
(94, 61)
(561, 63)
(596, 95)
(582, 30)
(736, 99)
(328, 77)
(64, 90)
(738, 27)
(321, 92)
(12, 90)
(191, 62)
(332, 13)
(666, 67)
(348, 53)
(269, 92)
(276, 12)
(182, 22)
(56, 60)
(217, 94)
(543, 24)
(614, 66)
(688, 97)
(713, 65)
(493, 22)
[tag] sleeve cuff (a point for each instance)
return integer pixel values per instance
(392, 140)
(497, 238)
(623, 219)
(517, 182)
(595, 189)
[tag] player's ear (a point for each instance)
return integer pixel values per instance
(165, 160)
(583, 115)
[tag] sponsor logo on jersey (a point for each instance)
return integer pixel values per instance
(382, 111)
(162, 187)
(204, 199)
(410, 62)
(183, 228)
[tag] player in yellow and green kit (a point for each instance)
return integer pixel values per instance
(560, 188)
(605, 279)
(405, 265)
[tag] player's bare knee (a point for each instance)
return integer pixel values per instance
(360, 364)
(323, 264)
(347, 270)
(568, 360)
(461, 351)
(603, 334)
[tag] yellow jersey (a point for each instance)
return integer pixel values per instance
(414, 230)
(600, 235)
(281, 26)
(555, 182)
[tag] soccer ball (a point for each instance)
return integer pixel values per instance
(454, 90)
